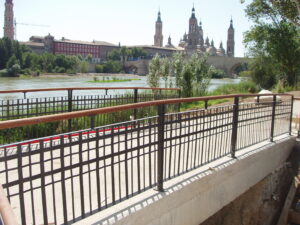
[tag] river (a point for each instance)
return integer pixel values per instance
(78, 81)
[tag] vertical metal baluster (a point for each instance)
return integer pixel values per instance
(70, 108)
(63, 184)
(43, 183)
(112, 166)
(291, 115)
(135, 100)
(126, 161)
(273, 118)
(21, 185)
(138, 156)
(81, 176)
(179, 105)
(98, 169)
(160, 157)
(234, 126)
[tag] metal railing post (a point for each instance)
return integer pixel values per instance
(206, 104)
(235, 120)
(135, 100)
(291, 115)
(273, 118)
(70, 97)
(179, 104)
(160, 155)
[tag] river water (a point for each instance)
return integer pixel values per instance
(78, 81)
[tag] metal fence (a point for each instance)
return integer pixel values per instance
(64, 178)
(30, 107)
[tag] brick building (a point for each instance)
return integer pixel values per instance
(97, 49)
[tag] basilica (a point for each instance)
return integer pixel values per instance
(194, 40)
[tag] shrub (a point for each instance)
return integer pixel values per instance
(99, 68)
(242, 87)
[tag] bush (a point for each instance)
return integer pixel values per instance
(242, 87)
(217, 73)
(112, 67)
(99, 68)
(14, 70)
(70, 71)
(61, 70)
(3, 73)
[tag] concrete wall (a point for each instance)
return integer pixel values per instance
(194, 197)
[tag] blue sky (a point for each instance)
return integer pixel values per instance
(130, 22)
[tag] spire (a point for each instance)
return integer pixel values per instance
(200, 25)
(169, 40)
(9, 2)
(212, 43)
(231, 23)
(158, 17)
(193, 11)
(207, 41)
(221, 45)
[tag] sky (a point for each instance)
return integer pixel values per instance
(130, 22)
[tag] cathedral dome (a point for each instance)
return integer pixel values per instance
(221, 50)
(212, 51)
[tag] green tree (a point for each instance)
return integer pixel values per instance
(274, 40)
(138, 52)
(177, 64)
(276, 10)
(154, 72)
(114, 55)
(166, 71)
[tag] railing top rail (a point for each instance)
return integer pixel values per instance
(93, 112)
(85, 88)
(297, 99)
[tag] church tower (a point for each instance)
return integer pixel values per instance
(230, 40)
(193, 37)
(158, 37)
(9, 20)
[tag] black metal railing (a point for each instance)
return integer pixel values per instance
(64, 178)
(30, 107)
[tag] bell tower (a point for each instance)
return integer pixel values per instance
(9, 20)
(230, 40)
(194, 35)
(158, 37)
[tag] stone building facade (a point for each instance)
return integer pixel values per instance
(9, 20)
(194, 40)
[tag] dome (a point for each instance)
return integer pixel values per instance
(212, 51)
(221, 50)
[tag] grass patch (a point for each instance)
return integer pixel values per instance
(241, 88)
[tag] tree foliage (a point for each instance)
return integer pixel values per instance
(274, 42)
(16, 58)
(192, 75)
(276, 10)
(124, 53)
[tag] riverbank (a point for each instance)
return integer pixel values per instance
(50, 75)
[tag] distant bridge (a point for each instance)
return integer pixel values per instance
(228, 64)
